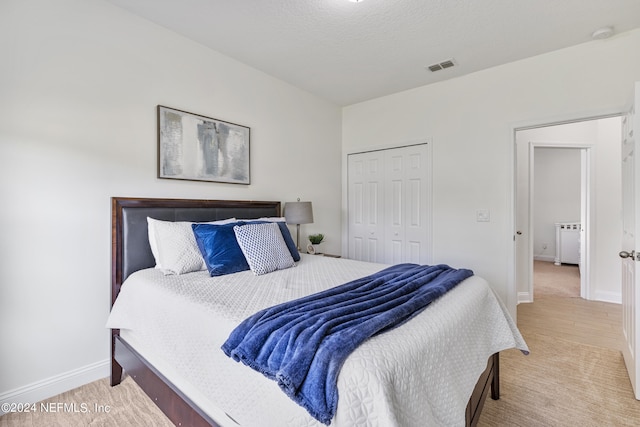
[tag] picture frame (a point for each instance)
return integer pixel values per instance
(199, 148)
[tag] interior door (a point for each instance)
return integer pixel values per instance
(630, 253)
(523, 236)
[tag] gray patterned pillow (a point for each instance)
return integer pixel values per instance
(264, 247)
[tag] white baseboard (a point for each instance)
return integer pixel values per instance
(524, 297)
(606, 296)
(548, 258)
(57, 384)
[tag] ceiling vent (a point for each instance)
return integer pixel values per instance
(441, 65)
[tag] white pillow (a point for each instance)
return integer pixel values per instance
(264, 248)
(174, 247)
(273, 219)
(177, 249)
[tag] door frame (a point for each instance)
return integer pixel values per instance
(514, 127)
(586, 209)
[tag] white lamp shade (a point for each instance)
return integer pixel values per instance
(298, 213)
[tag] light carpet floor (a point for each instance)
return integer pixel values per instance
(562, 383)
(127, 406)
(555, 280)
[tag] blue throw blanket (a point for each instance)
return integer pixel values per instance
(302, 344)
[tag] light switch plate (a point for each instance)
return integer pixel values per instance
(483, 215)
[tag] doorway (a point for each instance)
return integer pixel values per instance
(558, 212)
(598, 176)
(537, 224)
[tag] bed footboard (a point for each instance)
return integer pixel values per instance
(175, 405)
(490, 379)
(116, 368)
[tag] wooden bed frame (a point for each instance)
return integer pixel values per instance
(131, 252)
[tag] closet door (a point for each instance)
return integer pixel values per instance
(366, 206)
(389, 193)
(407, 208)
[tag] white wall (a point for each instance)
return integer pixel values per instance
(556, 196)
(79, 85)
(472, 119)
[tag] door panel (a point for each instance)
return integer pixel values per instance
(394, 252)
(418, 207)
(631, 243)
(365, 188)
(408, 226)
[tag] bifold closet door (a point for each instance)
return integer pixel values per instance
(407, 205)
(390, 205)
(366, 206)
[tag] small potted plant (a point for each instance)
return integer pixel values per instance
(315, 240)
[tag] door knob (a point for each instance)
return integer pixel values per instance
(625, 254)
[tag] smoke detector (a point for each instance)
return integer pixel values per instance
(602, 33)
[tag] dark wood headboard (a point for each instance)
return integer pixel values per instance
(130, 250)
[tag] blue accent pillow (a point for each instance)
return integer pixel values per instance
(286, 234)
(219, 248)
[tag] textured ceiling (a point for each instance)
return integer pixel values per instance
(349, 52)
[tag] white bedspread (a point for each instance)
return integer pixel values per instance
(420, 374)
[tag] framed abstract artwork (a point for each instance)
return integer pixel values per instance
(199, 148)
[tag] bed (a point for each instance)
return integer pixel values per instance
(225, 393)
